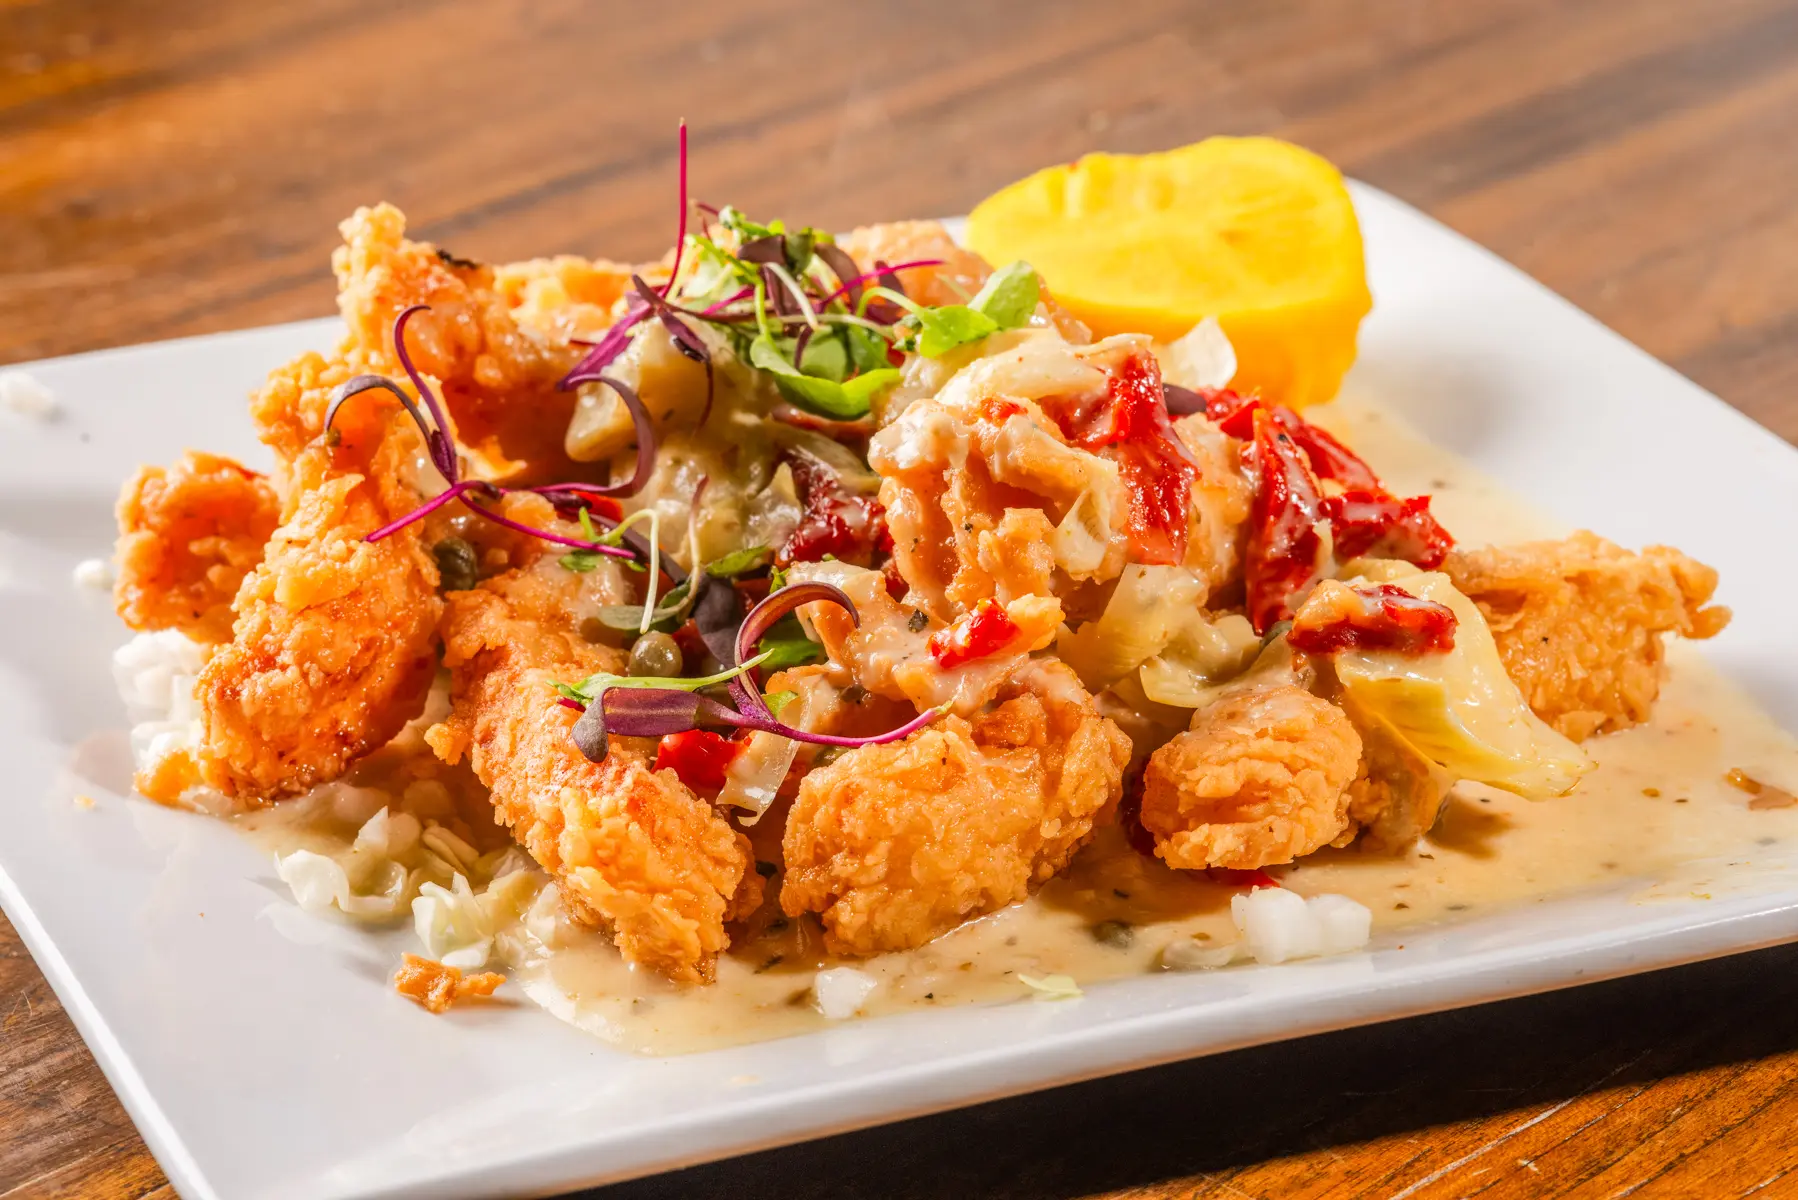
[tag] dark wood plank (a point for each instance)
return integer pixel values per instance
(174, 168)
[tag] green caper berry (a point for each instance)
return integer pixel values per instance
(1116, 934)
(656, 654)
(457, 565)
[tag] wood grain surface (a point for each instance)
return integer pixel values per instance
(173, 167)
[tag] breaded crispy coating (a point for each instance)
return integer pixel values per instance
(498, 379)
(895, 844)
(334, 645)
(434, 987)
(631, 848)
(187, 537)
(1579, 623)
(1260, 778)
(1396, 794)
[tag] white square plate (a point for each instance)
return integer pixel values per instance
(263, 1055)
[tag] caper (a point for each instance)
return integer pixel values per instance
(457, 565)
(656, 654)
(1116, 934)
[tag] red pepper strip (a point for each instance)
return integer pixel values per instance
(1231, 877)
(981, 632)
(1130, 425)
(1379, 617)
(698, 756)
(1284, 547)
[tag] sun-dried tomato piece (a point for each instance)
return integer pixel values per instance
(983, 630)
(1378, 523)
(1374, 617)
(1285, 551)
(836, 522)
(1130, 425)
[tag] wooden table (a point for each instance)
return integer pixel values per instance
(176, 167)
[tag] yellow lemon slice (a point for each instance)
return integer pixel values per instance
(1253, 231)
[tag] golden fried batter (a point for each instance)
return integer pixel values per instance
(334, 645)
(630, 847)
(896, 844)
(498, 380)
(1579, 623)
(1260, 778)
(434, 987)
(187, 537)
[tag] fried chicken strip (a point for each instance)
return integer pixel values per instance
(1261, 777)
(188, 535)
(334, 643)
(895, 844)
(632, 848)
(1580, 622)
(498, 379)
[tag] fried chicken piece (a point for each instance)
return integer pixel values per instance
(1397, 794)
(895, 844)
(498, 379)
(563, 297)
(187, 537)
(1579, 623)
(631, 848)
(334, 645)
(1261, 777)
(434, 986)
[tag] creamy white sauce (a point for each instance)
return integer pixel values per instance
(1657, 809)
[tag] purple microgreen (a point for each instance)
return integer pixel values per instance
(762, 617)
(799, 344)
(659, 712)
(646, 441)
(452, 492)
(771, 248)
(1182, 402)
(718, 613)
(887, 277)
(680, 236)
(589, 733)
(686, 341)
(611, 344)
(714, 309)
(849, 276)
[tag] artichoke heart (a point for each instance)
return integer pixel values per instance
(1459, 709)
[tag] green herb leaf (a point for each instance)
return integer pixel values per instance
(840, 401)
(669, 613)
(581, 561)
(941, 330)
(1010, 295)
(589, 689)
(785, 645)
(778, 701)
(739, 562)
